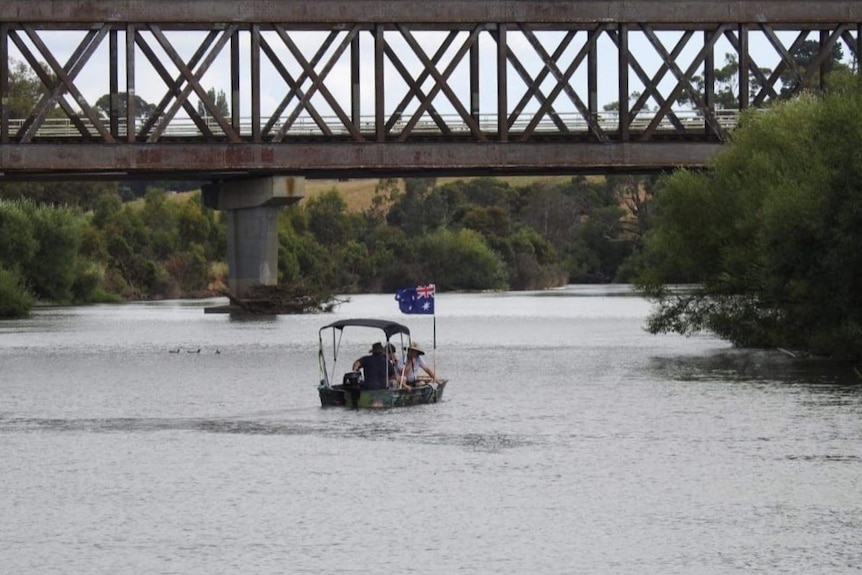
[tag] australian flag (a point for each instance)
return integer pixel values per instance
(416, 299)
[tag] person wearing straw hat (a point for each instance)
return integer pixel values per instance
(409, 371)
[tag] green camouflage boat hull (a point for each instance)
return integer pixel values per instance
(341, 396)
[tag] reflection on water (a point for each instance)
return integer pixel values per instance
(762, 366)
(569, 440)
(375, 431)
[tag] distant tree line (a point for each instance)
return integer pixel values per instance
(87, 246)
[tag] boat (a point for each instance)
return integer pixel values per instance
(349, 389)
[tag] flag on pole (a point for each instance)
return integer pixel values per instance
(416, 299)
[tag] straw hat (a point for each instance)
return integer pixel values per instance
(414, 345)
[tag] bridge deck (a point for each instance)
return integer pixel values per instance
(344, 160)
(445, 12)
(386, 87)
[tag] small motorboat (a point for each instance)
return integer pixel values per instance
(349, 389)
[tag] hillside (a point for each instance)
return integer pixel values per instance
(358, 193)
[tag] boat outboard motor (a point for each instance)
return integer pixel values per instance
(352, 379)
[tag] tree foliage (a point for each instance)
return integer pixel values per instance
(470, 235)
(218, 99)
(15, 299)
(771, 234)
(25, 89)
(41, 245)
(460, 261)
(143, 109)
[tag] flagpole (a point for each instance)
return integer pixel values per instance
(434, 331)
(435, 340)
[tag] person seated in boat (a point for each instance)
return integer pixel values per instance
(410, 371)
(375, 368)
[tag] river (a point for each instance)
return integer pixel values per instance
(155, 438)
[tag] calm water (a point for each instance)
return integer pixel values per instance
(570, 441)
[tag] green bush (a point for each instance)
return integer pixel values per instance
(89, 278)
(52, 271)
(16, 235)
(460, 261)
(772, 233)
(15, 300)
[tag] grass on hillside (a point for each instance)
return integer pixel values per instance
(358, 193)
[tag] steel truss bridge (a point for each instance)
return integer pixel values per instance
(214, 89)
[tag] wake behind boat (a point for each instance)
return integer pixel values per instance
(381, 380)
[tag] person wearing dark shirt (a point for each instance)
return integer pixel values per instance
(375, 368)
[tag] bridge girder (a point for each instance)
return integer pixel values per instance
(530, 105)
(332, 161)
(445, 12)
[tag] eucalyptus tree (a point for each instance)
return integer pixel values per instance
(770, 235)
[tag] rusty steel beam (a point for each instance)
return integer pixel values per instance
(418, 12)
(327, 160)
(528, 135)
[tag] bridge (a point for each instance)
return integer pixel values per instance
(367, 88)
(254, 96)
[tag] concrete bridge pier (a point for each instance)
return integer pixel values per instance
(252, 208)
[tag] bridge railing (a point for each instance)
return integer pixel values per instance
(179, 127)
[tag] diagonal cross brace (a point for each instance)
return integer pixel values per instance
(563, 85)
(295, 85)
(683, 82)
(415, 86)
(753, 68)
(441, 82)
(651, 84)
(317, 83)
(534, 85)
(193, 83)
(174, 84)
(65, 81)
(785, 63)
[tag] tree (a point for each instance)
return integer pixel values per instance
(803, 58)
(726, 87)
(771, 233)
(52, 270)
(84, 195)
(419, 210)
(17, 236)
(143, 109)
(327, 215)
(15, 300)
(584, 221)
(25, 89)
(218, 99)
(386, 192)
(459, 261)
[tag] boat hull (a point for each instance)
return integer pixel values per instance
(340, 396)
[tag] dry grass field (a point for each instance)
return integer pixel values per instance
(358, 193)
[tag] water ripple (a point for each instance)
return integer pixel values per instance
(492, 442)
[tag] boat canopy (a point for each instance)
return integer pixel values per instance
(390, 328)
